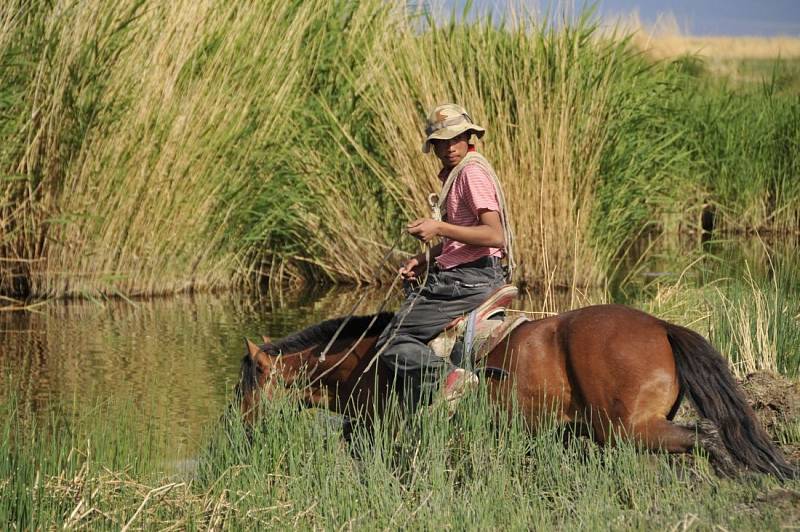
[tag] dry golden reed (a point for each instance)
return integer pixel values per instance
(666, 39)
(153, 148)
(140, 204)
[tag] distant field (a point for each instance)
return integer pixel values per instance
(722, 47)
(665, 38)
(739, 59)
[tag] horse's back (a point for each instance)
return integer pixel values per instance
(604, 338)
(621, 361)
(605, 358)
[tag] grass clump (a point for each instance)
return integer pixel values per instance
(73, 469)
(179, 107)
(425, 472)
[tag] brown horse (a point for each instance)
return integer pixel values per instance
(615, 370)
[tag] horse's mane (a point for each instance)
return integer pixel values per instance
(324, 331)
(314, 335)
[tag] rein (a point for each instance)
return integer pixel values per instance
(323, 356)
(380, 308)
(361, 300)
(317, 378)
(403, 318)
(357, 341)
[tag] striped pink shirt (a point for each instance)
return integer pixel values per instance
(472, 193)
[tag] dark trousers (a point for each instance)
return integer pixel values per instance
(425, 312)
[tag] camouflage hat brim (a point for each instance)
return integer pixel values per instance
(450, 131)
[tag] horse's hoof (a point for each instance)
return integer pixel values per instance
(710, 440)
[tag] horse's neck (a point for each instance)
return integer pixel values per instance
(350, 367)
(343, 364)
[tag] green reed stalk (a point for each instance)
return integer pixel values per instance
(151, 148)
(745, 140)
(100, 470)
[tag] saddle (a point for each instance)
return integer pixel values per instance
(472, 337)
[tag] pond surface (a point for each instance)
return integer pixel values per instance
(177, 359)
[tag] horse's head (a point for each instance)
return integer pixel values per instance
(265, 372)
(295, 363)
(261, 373)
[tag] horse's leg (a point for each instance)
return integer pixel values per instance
(624, 369)
(667, 436)
(660, 434)
(663, 435)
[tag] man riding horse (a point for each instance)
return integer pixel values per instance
(616, 371)
(456, 275)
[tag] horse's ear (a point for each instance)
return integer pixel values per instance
(252, 348)
(267, 339)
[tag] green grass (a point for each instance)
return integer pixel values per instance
(746, 141)
(99, 470)
(77, 461)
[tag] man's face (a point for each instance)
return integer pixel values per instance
(451, 151)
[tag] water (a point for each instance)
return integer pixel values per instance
(177, 359)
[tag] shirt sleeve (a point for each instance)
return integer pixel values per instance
(478, 190)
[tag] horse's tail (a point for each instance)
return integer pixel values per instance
(704, 376)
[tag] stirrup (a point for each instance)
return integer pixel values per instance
(456, 385)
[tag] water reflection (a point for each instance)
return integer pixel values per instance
(176, 359)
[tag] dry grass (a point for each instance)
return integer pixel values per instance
(665, 39)
(739, 59)
(720, 47)
(141, 204)
(151, 165)
(155, 148)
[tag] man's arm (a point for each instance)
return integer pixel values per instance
(488, 233)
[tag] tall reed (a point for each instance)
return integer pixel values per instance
(560, 107)
(152, 129)
(152, 148)
(747, 142)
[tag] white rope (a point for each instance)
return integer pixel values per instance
(397, 325)
(361, 299)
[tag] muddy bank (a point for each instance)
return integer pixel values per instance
(775, 400)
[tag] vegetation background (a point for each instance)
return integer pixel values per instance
(151, 148)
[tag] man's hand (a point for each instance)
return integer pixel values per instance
(424, 229)
(408, 269)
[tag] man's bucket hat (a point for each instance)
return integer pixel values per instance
(448, 121)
